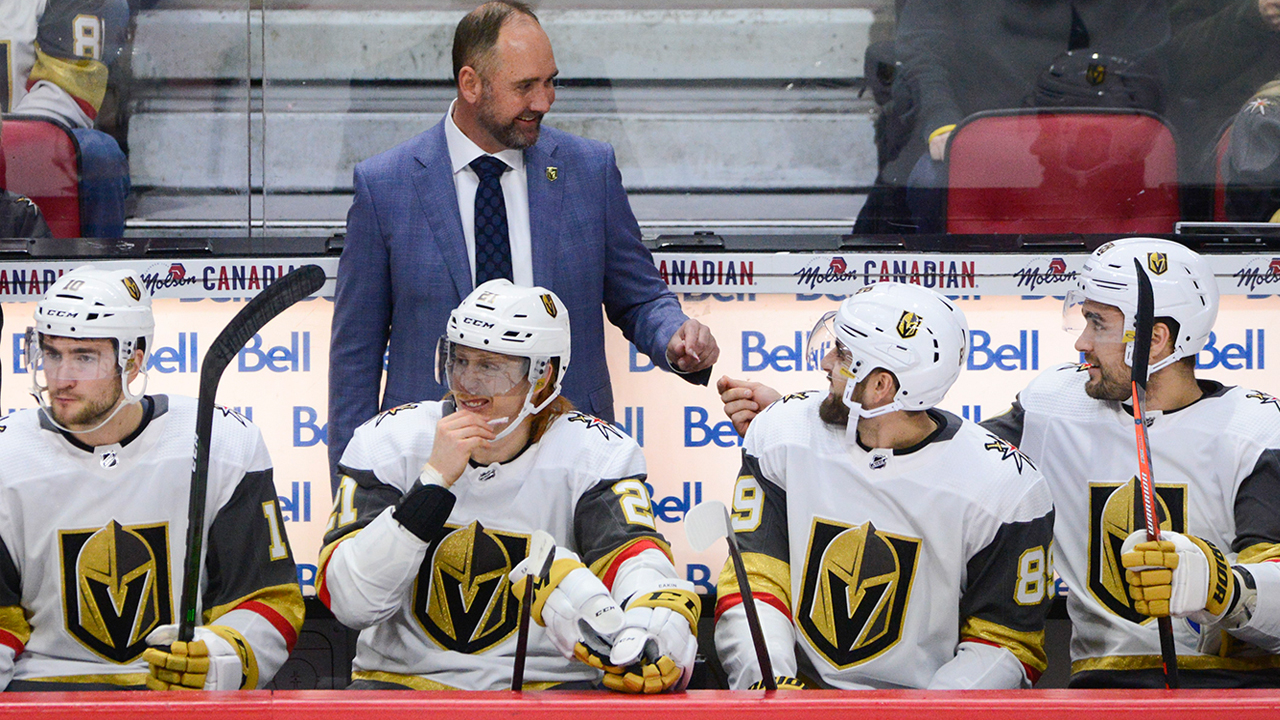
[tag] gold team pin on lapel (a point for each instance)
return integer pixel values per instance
(552, 173)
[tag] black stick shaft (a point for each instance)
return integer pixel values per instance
(522, 638)
(753, 618)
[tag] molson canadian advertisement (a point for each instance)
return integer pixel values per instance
(760, 307)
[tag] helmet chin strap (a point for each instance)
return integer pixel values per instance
(529, 408)
(1153, 368)
(127, 397)
(856, 411)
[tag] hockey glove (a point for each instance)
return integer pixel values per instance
(784, 682)
(656, 648)
(209, 662)
(574, 606)
(1179, 575)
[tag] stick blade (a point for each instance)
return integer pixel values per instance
(706, 523)
(542, 552)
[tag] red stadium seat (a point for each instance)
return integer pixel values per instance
(42, 161)
(1066, 171)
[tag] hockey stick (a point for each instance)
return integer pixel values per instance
(703, 525)
(542, 552)
(1143, 323)
(278, 297)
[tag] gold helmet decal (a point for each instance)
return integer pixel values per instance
(1096, 73)
(462, 596)
(549, 303)
(132, 287)
(909, 324)
(1158, 262)
(857, 582)
(1115, 512)
(116, 587)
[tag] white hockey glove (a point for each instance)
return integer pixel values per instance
(656, 648)
(1183, 576)
(208, 662)
(573, 605)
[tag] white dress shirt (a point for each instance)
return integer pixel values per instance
(515, 191)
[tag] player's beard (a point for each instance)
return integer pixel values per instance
(1107, 387)
(93, 412)
(507, 132)
(833, 411)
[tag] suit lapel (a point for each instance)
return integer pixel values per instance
(545, 199)
(433, 181)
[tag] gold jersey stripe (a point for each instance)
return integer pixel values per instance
(1261, 552)
(766, 574)
(14, 620)
(284, 599)
(84, 78)
(601, 566)
(1028, 647)
(121, 679)
(416, 682)
(1185, 662)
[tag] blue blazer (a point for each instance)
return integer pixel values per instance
(405, 266)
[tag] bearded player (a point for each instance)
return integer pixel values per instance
(1215, 458)
(897, 545)
(93, 513)
(437, 503)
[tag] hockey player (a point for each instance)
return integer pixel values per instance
(437, 502)
(898, 545)
(1215, 456)
(93, 514)
(58, 54)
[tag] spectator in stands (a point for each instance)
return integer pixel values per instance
(59, 54)
(1222, 52)
(1251, 164)
(488, 193)
(958, 57)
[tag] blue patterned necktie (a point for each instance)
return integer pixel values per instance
(493, 248)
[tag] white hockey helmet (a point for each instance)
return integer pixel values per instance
(524, 322)
(1182, 283)
(913, 332)
(92, 303)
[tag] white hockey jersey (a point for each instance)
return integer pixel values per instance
(93, 540)
(64, 47)
(1216, 466)
(886, 561)
(441, 615)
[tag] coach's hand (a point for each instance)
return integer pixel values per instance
(209, 662)
(692, 348)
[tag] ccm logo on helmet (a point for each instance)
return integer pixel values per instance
(482, 324)
(61, 313)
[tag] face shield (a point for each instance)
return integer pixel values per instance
(1096, 323)
(823, 340)
(482, 373)
(69, 364)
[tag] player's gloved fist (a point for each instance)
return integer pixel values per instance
(656, 648)
(784, 682)
(208, 662)
(1179, 575)
(573, 605)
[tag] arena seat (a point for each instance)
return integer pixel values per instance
(1066, 171)
(79, 178)
(42, 161)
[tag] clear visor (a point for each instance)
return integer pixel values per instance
(70, 361)
(822, 341)
(1097, 323)
(478, 372)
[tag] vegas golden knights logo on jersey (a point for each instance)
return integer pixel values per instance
(116, 586)
(857, 581)
(462, 597)
(1115, 510)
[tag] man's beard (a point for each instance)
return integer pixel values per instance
(833, 411)
(505, 132)
(1107, 387)
(91, 414)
